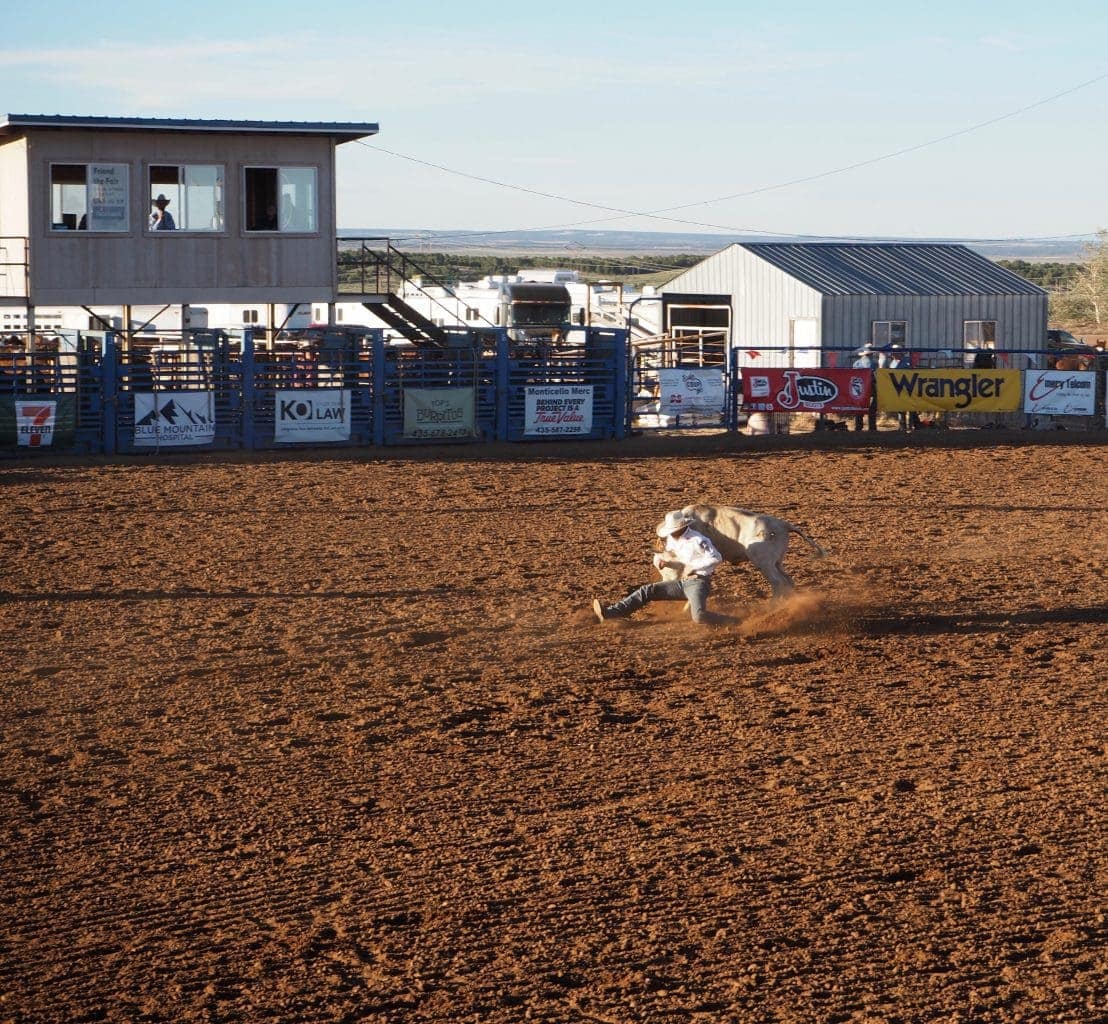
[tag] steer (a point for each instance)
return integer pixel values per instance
(743, 536)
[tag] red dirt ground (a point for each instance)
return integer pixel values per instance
(336, 738)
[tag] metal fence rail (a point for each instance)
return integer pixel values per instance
(202, 390)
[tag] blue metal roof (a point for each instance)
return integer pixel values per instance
(901, 268)
(341, 131)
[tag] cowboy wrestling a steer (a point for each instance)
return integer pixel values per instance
(697, 539)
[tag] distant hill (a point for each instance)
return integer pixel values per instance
(571, 243)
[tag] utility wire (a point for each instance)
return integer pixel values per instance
(660, 214)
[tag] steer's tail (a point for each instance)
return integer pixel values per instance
(820, 551)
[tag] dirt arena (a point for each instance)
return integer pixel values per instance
(335, 737)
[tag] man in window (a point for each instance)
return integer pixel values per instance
(160, 218)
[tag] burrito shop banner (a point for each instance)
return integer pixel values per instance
(684, 392)
(1059, 392)
(949, 390)
(822, 390)
(434, 413)
(49, 421)
(557, 409)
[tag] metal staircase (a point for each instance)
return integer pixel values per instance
(381, 271)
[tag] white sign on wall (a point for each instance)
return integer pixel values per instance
(557, 409)
(174, 418)
(1059, 392)
(691, 390)
(107, 197)
(311, 414)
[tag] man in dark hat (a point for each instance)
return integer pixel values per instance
(160, 218)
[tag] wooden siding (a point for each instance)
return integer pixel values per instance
(75, 268)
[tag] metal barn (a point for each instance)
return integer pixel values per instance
(817, 302)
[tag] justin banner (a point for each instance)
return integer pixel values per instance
(814, 390)
(433, 414)
(170, 419)
(311, 414)
(949, 390)
(686, 392)
(46, 421)
(1059, 392)
(557, 410)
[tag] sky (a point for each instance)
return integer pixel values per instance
(971, 120)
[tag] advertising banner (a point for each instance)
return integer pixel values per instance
(439, 413)
(822, 390)
(1059, 392)
(174, 418)
(107, 197)
(556, 409)
(949, 390)
(38, 421)
(311, 414)
(691, 391)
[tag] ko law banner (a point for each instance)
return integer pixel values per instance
(1059, 392)
(557, 409)
(814, 390)
(949, 390)
(312, 414)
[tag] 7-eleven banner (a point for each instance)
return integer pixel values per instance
(37, 421)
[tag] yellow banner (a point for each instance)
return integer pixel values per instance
(949, 390)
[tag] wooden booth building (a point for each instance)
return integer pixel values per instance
(251, 211)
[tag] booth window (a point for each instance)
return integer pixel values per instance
(89, 197)
(889, 332)
(280, 199)
(195, 193)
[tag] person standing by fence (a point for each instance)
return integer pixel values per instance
(866, 360)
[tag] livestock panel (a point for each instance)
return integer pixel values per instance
(309, 392)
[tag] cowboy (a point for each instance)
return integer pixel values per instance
(161, 219)
(692, 557)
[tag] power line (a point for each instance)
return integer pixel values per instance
(660, 214)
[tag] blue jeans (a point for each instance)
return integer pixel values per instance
(695, 590)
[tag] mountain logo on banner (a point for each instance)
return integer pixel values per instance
(171, 413)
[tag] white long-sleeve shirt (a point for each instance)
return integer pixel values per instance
(698, 554)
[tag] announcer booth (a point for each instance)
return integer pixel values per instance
(122, 212)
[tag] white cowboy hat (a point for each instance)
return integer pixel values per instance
(673, 522)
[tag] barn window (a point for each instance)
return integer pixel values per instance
(89, 197)
(472, 314)
(195, 193)
(979, 333)
(889, 332)
(281, 199)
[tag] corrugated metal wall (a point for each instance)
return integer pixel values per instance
(765, 300)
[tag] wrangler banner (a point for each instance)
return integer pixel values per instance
(949, 390)
(38, 421)
(437, 413)
(809, 390)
